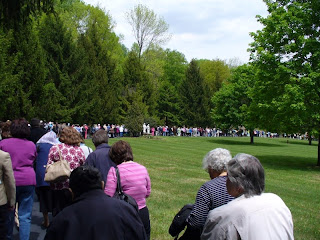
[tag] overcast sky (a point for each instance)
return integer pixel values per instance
(201, 29)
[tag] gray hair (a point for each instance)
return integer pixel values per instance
(99, 137)
(217, 159)
(246, 172)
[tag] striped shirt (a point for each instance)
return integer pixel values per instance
(134, 179)
(211, 195)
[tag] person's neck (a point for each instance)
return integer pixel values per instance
(223, 174)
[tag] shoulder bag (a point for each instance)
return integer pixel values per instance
(119, 194)
(58, 171)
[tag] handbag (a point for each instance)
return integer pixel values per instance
(179, 221)
(119, 194)
(58, 171)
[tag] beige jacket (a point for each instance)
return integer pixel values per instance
(7, 182)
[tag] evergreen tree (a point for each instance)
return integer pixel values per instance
(194, 105)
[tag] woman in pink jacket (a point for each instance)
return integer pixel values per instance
(135, 179)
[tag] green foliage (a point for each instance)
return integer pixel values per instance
(135, 116)
(231, 103)
(214, 73)
(16, 14)
(194, 104)
(286, 52)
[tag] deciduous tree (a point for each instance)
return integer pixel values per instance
(148, 28)
(286, 53)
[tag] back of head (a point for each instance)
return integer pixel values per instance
(84, 179)
(246, 172)
(19, 128)
(121, 152)
(217, 159)
(70, 136)
(5, 129)
(99, 137)
(35, 122)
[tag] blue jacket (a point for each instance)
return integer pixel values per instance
(100, 159)
(41, 163)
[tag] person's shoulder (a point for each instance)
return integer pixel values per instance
(271, 198)
(4, 154)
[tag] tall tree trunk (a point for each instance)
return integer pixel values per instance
(251, 136)
(309, 138)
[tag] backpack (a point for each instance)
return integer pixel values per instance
(179, 221)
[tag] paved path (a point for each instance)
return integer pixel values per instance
(36, 233)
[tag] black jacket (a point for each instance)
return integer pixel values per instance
(95, 216)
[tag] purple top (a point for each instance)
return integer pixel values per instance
(23, 153)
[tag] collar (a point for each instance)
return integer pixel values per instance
(103, 145)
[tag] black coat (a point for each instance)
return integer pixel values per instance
(36, 134)
(95, 216)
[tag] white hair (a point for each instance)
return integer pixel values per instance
(217, 159)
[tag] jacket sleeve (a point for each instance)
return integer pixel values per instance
(9, 180)
(90, 161)
(111, 184)
(148, 184)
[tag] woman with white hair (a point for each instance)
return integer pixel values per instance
(211, 194)
(253, 214)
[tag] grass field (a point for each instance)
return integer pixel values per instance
(174, 165)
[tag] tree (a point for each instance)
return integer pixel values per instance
(135, 115)
(231, 104)
(147, 27)
(286, 53)
(175, 65)
(15, 14)
(194, 104)
(214, 73)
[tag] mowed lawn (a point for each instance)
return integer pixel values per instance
(175, 169)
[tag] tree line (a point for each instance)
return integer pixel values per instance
(60, 60)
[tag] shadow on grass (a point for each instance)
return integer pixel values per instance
(243, 143)
(299, 142)
(289, 163)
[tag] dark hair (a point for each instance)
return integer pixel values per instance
(70, 136)
(99, 137)
(35, 122)
(121, 152)
(245, 171)
(5, 129)
(84, 179)
(19, 128)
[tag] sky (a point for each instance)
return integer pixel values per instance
(200, 29)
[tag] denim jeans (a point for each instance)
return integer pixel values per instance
(24, 198)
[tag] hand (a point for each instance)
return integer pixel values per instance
(11, 208)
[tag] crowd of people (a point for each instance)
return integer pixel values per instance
(232, 205)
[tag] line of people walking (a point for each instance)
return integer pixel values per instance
(25, 166)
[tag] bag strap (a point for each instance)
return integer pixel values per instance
(60, 157)
(119, 188)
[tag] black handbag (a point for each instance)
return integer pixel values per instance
(119, 194)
